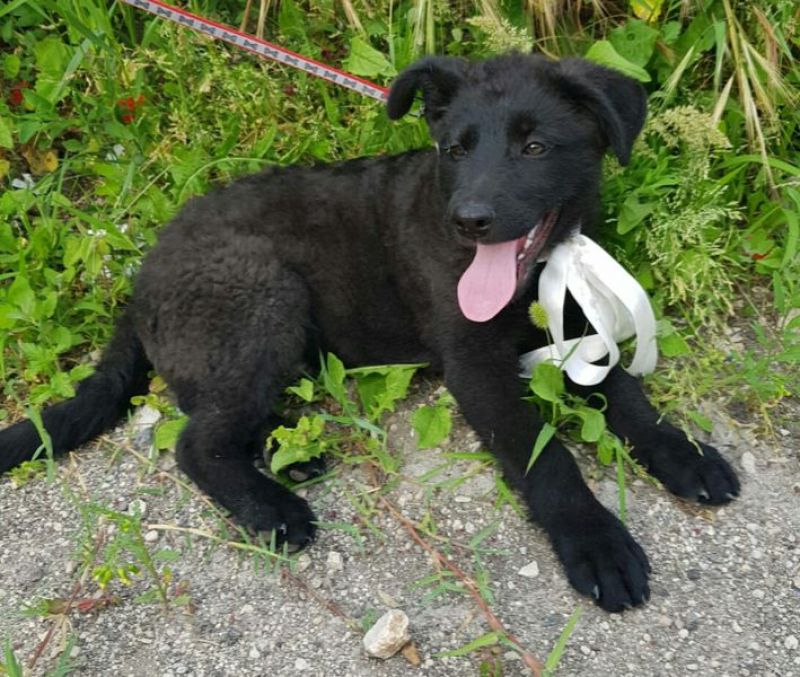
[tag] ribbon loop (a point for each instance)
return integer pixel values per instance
(614, 304)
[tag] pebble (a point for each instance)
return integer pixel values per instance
(791, 642)
(748, 462)
(736, 627)
(388, 635)
(137, 507)
(255, 654)
(303, 562)
(530, 570)
(335, 562)
(683, 633)
(151, 536)
(301, 664)
(693, 574)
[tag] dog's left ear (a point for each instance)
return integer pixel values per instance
(618, 102)
(439, 78)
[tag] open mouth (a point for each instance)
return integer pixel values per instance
(499, 271)
(531, 245)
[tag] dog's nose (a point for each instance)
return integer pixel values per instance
(474, 219)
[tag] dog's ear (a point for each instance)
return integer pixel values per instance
(618, 102)
(439, 78)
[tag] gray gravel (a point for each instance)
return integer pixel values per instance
(726, 583)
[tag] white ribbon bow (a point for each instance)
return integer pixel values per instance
(612, 300)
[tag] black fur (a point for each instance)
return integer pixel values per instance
(363, 259)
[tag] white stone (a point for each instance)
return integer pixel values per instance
(301, 664)
(303, 562)
(335, 562)
(151, 536)
(791, 642)
(388, 635)
(748, 462)
(530, 570)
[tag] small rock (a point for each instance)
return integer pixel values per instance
(301, 664)
(693, 574)
(143, 424)
(736, 627)
(748, 462)
(530, 570)
(388, 635)
(137, 507)
(334, 561)
(254, 653)
(692, 667)
(683, 633)
(791, 642)
(151, 536)
(303, 562)
(462, 499)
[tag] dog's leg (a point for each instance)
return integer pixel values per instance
(695, 471)
(599, 555)
(228, 341)
(215, 451)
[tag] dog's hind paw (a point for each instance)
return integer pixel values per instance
(289, 516)
(704, 476)
(601, 559)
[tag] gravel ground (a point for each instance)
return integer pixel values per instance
(725, 587)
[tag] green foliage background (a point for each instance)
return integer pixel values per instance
(111, 119)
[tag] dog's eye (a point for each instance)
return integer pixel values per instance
(534, 148)
(456, 151)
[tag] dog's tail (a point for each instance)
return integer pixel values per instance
(101, 400)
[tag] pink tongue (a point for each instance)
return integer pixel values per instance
(489, 283)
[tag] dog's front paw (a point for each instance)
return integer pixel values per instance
(699, 474)
(603, 560)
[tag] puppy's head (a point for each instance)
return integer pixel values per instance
(521, 141)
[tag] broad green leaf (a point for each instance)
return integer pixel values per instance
(21, 295)
(11, 64)
(633, 213)
(635, 41)
(304, 390)
(547, 382)
(5, 133)
(367, 61)
(167, 433)
(602, 52)
(432, 424)
(51, 56)
(673, 345)
(333, 378)
(593, 426)
(606, 449)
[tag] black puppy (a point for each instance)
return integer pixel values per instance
(422, 257)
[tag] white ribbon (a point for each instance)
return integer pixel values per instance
(614, 303)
